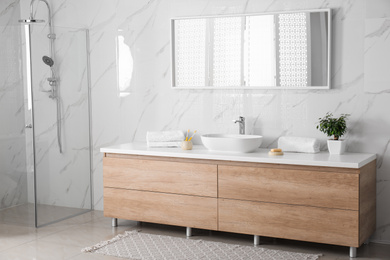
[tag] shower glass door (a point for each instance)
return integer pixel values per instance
(58, 122)
(14, 207)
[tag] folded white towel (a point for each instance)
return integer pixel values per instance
(165, 136)
(299, 144)
(164, 144)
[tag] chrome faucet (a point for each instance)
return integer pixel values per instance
(241, 121)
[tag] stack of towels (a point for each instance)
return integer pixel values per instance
(164, 138)
(299, 144)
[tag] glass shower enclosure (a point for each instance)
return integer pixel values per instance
(45, 127)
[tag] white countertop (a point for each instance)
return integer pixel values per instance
(347, 160)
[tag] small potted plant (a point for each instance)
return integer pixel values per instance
(335, 127)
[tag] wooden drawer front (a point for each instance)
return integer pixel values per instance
(161, 176)
(322, 225)
(171, 209)
(367, 208)
(322, 189)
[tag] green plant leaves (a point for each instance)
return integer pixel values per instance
(332, 126)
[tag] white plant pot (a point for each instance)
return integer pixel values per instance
(337, 146)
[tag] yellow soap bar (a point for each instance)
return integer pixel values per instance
(276, 150)
(275, 153)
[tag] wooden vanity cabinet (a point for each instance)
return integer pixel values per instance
(164, 208)
(309, 186)
(309, 203)
(158, 175)
(316, 204)
(155, 190)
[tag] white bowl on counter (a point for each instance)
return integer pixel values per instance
(231, 142)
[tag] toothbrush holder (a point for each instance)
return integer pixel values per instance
(186, 145)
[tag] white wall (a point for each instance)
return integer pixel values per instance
(13, 178)
(153, 105)
(62, 179)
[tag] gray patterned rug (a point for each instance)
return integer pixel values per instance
(141, 246)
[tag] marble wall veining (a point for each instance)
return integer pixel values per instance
(13, 178)
(62, 179)
(151, 104)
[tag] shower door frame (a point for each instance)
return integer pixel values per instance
(30, 99)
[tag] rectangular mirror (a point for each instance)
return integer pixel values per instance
(287, 50)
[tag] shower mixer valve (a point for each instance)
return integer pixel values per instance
(51, 36)
(53, 85)
(52, 81)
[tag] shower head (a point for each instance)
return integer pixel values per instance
(31, 20)
(48, 61)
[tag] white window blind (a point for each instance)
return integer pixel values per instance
(191, 52)
(227, 50)
(294, 56)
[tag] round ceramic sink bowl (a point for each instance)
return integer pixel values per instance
(232, 143)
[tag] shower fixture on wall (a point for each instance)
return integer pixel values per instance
(53, 79)
(49, 61)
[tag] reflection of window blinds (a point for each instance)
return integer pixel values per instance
(124, 62)
(294, 56)
(259, 51)
(190, 52)
(227, 45)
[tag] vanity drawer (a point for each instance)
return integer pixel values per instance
(289, 186)
(160, 176)
(170, 209)
(322, 225)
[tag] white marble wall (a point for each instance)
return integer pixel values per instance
(377, 88)
(62, 179)
(153, 105)
(376, 39)
(13, 178)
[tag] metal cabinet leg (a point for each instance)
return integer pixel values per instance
(256, 240)
(114, 222)
(352, 252)
(188, 231)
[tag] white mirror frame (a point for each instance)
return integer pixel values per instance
(329, 40)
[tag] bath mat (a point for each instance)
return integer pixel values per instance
(142, 246)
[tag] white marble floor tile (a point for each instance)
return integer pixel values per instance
(39, 249)
(12, 235)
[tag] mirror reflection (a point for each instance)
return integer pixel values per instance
(284, 50)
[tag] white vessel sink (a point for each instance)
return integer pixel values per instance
(232, 143)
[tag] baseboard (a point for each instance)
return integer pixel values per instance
(380, 242)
